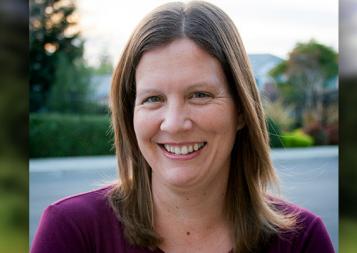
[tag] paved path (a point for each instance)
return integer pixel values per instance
(309, 178)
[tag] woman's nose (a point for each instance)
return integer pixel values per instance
(175, 119)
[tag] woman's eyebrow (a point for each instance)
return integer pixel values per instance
(145, 91)
(196, 85)
(203, 85)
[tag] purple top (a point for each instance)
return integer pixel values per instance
(85, 223)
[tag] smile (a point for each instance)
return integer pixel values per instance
(183, 149)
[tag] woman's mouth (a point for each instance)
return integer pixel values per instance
(183, 149)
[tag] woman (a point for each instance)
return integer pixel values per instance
(193, 152)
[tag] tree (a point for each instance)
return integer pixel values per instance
(303, 77)
(71, 89)
(53, 29)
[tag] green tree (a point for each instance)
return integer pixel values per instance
(303, 77)
(53, 29)
(71, 89)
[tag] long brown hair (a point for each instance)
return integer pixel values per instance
(251, 212)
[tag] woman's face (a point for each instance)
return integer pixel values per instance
(185, 119)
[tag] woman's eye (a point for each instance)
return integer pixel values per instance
(152, 99)
(200, 94)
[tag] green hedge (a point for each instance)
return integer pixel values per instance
(54, 135)
(297, 138)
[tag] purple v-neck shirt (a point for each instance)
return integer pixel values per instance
(85, 223)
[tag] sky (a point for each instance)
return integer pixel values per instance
(273, 26)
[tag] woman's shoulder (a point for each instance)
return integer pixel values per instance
(303, 215)
(79, 223)
(86, 211)
(87, 203)
(308, 235)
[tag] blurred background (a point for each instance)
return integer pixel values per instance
(73, 46)
(13, 126)
(348, 123)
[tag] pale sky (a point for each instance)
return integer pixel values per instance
(273, 26)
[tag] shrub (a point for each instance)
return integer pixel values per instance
(332, 134)
(318, 133)
(297, 138)
(53, 135)
(274, 134)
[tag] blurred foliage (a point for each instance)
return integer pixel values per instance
(348, 162)
(13, 242)
(55, 40)
(279, 138)
(14, 126)
(13, 187)
(297, 138)
(318, 133)
(348, 149)
(348, 230)
(305, 76)
(54, 135)
(279, 113)
(348, 136)
(71, 89)
(274, 133)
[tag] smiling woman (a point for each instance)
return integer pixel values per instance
(193, 152)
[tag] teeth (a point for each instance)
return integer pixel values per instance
(177, 151)
(190, 149)
(183, 150)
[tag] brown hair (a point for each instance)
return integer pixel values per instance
(251, 212)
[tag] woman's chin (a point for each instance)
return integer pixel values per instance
(180, 179)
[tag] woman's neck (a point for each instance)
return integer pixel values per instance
(191, 216)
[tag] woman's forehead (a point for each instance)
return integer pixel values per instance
(180, 61)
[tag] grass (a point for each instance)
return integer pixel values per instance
(348, 232)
